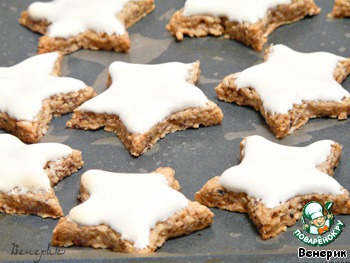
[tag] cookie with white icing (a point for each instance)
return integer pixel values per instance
(32, 92)
(69, 25)
(248, 21)
(291, 87)
(28, 173)
(130, 212)
(146, 102)
(341, 9)
(273, 183)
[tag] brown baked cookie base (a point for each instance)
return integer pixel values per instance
(285, 124)
(132, 12)
(138, 144)
(254, 35)
(42, 203)
(194, 217)
(272, 221)
(341, 9)
(57, 105)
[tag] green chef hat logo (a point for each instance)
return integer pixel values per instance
(318, 223)
(313, 210)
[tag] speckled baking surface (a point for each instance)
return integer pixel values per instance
(196, 155)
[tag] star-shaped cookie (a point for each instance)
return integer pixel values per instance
(291, 87)
(145, 102)
(248, 21)
(28, 173)
(130, 212)
(31, 93)
(69, 25)
(273, 183)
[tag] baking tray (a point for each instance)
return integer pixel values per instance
(196, 154)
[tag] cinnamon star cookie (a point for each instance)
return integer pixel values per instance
(32, 92)
(69, 25)
(291, 87)
(28, 173)
(248, 21)
(146, 102)
(130, 212)
(274, 182)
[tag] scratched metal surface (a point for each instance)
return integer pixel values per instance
(196, 155)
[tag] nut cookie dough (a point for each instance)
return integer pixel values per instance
(28, 173)
(148, 211)
(250, 22)
(291, 87)
(69, 25)
(32, 93)
(255, 185)
(146, 102)
(341, 9)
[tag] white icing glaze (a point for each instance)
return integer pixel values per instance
(235, 10)
(131, 204)
(289, 77)
(24, 86)
(22, 166)
(275, 173)
(143, 95)
(72, 17)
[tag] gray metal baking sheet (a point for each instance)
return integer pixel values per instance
(196, 155)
